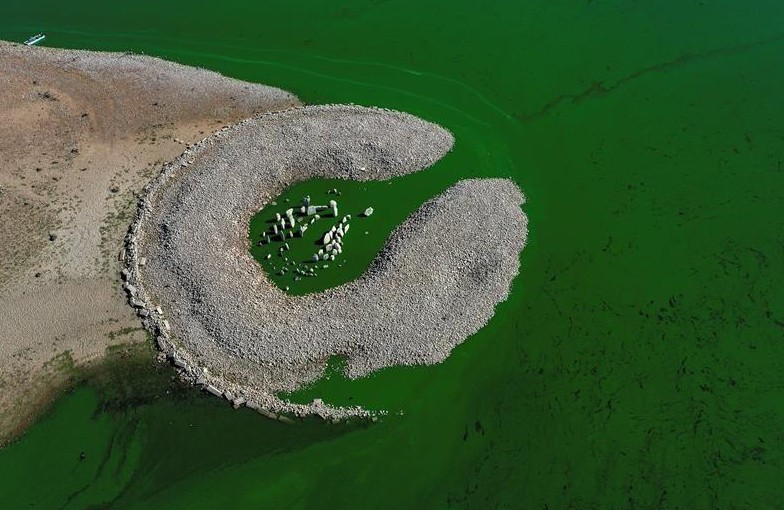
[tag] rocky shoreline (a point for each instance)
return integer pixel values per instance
(227, 328)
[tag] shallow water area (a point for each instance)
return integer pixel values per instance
(392, 201)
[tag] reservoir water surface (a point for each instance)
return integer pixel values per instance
(639, 361)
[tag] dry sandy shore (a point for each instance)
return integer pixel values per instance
(82, 133)
(228, 328)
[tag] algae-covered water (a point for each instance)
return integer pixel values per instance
(288, 262)
(639, 361)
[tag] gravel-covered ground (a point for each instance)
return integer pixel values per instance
(230, 329)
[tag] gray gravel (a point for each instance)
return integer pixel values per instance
(227, 327)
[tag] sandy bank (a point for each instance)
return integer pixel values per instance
(82, 133)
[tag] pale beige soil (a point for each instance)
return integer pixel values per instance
(80, 134)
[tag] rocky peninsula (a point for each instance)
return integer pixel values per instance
(226, 327)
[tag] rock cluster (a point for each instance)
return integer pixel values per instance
(230, 330)
(299, 222)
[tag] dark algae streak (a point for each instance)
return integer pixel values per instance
(639, 361)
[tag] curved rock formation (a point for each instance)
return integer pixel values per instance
(228, 327)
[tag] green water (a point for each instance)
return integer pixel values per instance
(392, 201)
(639, 361)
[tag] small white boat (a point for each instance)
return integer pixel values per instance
(35, 39)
